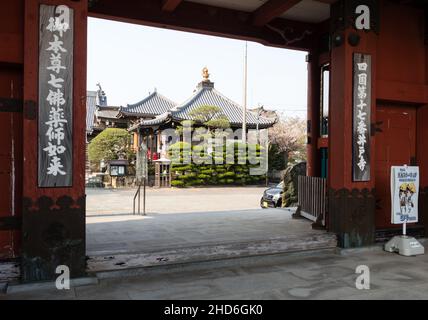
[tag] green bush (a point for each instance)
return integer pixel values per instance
(204, 176)
(177, 183)
(182, 168)
(211, 174)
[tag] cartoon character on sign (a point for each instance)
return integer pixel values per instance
(402, 196)
(411, 190)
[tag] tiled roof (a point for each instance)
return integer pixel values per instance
(107, 112)
(153, 105)
(207, 95)
(163, 118)
(91, 104)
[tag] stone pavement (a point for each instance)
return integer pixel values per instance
(167, 200)
(131, 234)
(324, 275)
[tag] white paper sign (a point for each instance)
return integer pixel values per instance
(404, 194)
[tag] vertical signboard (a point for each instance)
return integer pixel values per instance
(141, 164)
(361, 117)
(404, 194)
(55, 121)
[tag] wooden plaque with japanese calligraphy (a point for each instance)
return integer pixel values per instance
(361, 117)
(55, 121)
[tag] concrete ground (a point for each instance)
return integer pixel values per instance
(321, 274)
(123, 241)
(182, 218)
(131, 234)
(301, 276)
(162, 201)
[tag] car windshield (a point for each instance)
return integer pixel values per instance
(280, 185)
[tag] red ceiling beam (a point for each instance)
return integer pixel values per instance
(170, 5)
(209, 20)
(272, 9)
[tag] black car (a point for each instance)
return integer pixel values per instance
(272, 197)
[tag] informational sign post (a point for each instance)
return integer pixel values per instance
(141, 177)
(404, 204)
(141, 164)
(404, 194)
(55, 120)
(361, 117)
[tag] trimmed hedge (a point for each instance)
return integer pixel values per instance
(194, 174)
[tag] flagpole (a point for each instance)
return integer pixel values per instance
(244, 118)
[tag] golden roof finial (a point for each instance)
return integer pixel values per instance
(205, 74)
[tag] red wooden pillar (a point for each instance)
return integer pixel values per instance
(11, 68)
(53, 218)
(351, 209)
(422, 155)
(422, 158)
(314, 84)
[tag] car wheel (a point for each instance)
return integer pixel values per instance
(278, 204)
(261, 204)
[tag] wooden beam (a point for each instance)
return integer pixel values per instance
(170, 5)
(209, 20)
(272, 9)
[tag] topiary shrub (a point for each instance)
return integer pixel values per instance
(177, 183)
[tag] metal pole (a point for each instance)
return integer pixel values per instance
(137, 194)
(144, 196)
(139, 197)
(244, 118)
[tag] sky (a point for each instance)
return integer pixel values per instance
(130, 61)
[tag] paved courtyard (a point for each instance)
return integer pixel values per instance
(221, 223)
(131, 234)
(171, 200)
(182, 218)
(314, 276)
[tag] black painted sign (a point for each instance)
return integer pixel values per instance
(361, 117)
(55, 121)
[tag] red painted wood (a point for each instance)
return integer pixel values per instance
(271, 10)
(402, 91)
(422, 144)
(314, 80)
(204, 19)
(322, 143)
(11, 44)
(401, 44)
(170, 5)
(340, 118)
(11, 31)
(395, 146)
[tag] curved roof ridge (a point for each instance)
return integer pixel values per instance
(239, 106)
(182, 105)
(228, 99)
(141, 102)
(210, 96)
(166, 98)
(154, 104)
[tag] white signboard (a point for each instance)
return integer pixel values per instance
(404, 193)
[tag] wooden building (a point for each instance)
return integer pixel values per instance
(149, 127)
(369, 50)
(100, 116)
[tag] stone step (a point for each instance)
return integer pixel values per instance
(221, 254)
(108, 265)
(9, 273)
